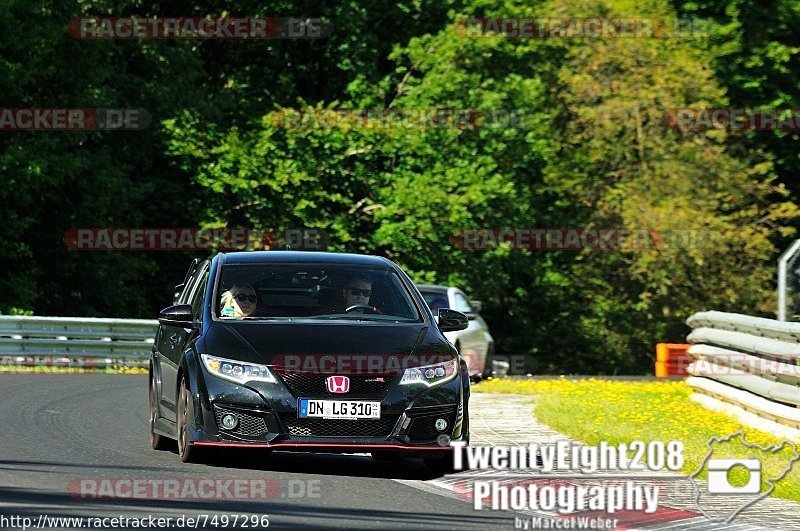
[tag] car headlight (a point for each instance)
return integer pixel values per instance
(430, 375)
(237, 371)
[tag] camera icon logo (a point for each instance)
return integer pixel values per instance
(761, 474)
(718, 482)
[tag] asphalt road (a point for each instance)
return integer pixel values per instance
(59, 430)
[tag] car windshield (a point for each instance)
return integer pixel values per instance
(435, 300)
(313, 291)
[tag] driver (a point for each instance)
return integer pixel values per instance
(357, 289)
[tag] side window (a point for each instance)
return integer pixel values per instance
(199, 295)
(191, 285)
(462, 304)
(191, 273)
(186, 296)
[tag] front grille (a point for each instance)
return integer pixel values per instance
(313, 385)
(423, 428)
(339, 428)
(250, 424)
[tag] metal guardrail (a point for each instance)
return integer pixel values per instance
(86, 341)
(79, 341)
(737, 322)
(750, 362)
(776, 371)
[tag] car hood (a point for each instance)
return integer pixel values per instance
(294, 345)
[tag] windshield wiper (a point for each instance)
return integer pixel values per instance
(345, 316)
(356, 317)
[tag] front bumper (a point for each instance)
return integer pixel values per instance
(267, 414)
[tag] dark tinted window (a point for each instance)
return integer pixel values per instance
(435, 300)
(313, 291)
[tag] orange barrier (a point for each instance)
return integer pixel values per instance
(672, 359)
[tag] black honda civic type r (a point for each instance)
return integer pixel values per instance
(327, 352)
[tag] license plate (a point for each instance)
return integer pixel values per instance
(338, 409)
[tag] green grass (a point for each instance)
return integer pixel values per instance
(17, 369)
(593, 410)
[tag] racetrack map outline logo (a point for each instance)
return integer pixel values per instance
(770, 481)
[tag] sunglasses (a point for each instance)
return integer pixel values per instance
(241, 297)
(358, 291)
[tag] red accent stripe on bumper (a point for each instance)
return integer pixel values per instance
(325, 445)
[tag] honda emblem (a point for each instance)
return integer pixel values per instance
(338, 384)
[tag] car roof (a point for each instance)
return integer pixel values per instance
(283, 257)
(433, 288)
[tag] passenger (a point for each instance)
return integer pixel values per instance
(239, 301)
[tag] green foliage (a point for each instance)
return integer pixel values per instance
(754, 47)
(588, 149)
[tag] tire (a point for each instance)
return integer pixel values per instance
(488, 369)
(465, 427)
(157, 441)
(186, 451)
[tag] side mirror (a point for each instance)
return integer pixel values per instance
(178, 315)
(451, 321)
(477, 306)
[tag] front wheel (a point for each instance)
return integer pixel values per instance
(465, 425)
(186, 451)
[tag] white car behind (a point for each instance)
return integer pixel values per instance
(475, 343)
